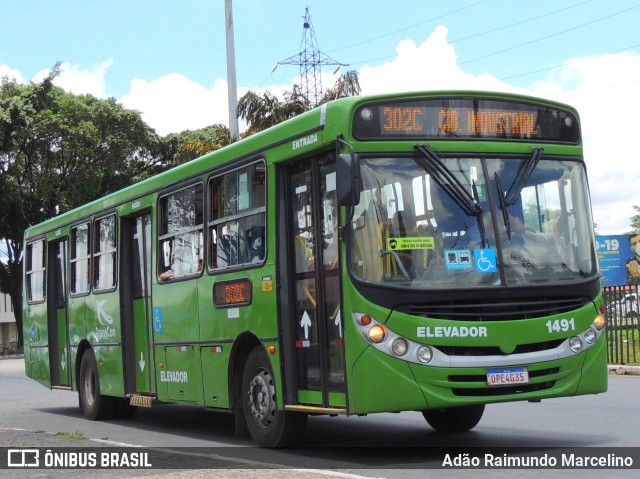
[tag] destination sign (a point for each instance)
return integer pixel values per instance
(478, 118)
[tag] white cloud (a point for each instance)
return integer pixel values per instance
(6, 72)
(173, 103)
(604, 89)
(75, 79)
(432, 65)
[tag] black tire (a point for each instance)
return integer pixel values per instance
(95, 406)
(454, 419)
(268, 426)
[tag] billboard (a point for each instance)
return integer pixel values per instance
(619, 259)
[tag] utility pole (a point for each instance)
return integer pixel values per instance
(310, 59)
(232, 86)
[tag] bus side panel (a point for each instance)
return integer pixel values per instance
(36, 339)
(109, 360)
(595, 372)
(221, 326)
(104, 335)
(180, 374)
(175, 325)
(383, 384)
(215, 360)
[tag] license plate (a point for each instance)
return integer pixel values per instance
(508, 376)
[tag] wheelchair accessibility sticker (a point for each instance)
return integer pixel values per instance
(485, 260)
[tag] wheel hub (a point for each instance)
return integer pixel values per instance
(262, 398)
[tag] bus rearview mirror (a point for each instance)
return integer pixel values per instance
(348, 179)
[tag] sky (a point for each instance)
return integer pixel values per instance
(167, 59)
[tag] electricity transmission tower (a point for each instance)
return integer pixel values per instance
(310, 60)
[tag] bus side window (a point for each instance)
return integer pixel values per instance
(181, 243)
(105, 253)
(237, 217)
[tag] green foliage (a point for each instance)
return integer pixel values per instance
(635, 221)
(192, 144)
(262, 112)
(58, 151)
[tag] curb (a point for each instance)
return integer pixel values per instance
(623, 369)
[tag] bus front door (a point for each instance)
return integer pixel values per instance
(58, 317)
(136, 296)
(313, 334)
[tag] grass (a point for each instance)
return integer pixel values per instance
(72, 436)
(624, 346)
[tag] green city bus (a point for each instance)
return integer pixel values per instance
(427, 252)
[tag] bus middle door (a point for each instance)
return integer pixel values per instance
(58, 315)
(314, 324)
(136, 308)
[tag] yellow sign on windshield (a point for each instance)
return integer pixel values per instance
(419, 242)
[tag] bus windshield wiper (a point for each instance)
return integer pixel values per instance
(522, 176)
(503, 206)
(445, 178)
(524, 172)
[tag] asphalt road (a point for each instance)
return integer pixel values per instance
(379, 445)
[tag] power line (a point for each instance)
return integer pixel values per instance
(570, 63)
(520, 45)
(520, 22)
(549, 36)
(617, 85)
(407, 28)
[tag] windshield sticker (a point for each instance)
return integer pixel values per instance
(485, 260)
(423, 242)
(457, 259)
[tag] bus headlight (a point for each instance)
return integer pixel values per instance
(575, 343)
(399, 346)
(376, 333)
(424, 354)
(590, 335)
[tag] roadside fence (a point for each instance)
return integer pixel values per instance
(623, 313)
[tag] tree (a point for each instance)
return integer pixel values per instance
(192, 144)
(262, 112)
(635, 220)
(58, 151)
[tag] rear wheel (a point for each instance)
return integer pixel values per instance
(454, 419)
(267, 425)
(94, 405)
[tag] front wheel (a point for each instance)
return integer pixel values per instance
(94, 405)
(268, 426)
(454, 419)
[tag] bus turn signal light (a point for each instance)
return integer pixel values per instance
(599, 322)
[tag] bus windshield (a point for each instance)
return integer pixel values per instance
(429, 221)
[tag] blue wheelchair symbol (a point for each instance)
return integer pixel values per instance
(157, 320)
(486, 261)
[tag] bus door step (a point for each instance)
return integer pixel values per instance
(142, 401)
(315, 409)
